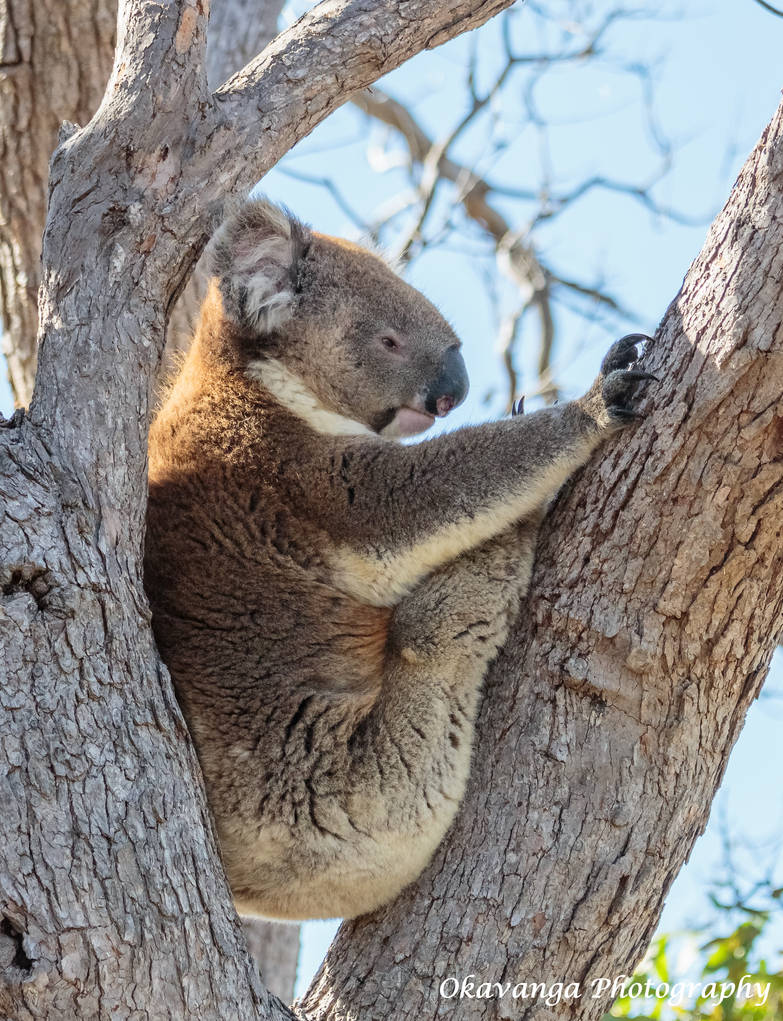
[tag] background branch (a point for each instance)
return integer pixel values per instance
(518, 252)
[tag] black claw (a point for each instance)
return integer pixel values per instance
(638, 374)
(518, 407)
(623, 352)
(624, 414)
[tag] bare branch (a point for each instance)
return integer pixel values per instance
(594, 293)
(770, 8)
(339, 198)
(517, 259)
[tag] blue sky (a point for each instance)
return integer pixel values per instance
(717, 82)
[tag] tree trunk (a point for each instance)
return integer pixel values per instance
(609, 717)
(113, 902)
(56, 58)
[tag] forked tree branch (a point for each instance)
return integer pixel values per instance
(182, 156)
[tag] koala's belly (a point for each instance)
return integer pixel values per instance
(233, 633)
(347, 879)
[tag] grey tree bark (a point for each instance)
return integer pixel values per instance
(46, 47)
(57, 59)
(114, 903)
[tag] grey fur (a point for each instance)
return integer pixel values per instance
(327, 599)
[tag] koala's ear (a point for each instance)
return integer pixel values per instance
(255, 255)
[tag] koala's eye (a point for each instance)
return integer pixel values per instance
(391, 342)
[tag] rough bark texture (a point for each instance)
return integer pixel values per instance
(56, 58)
(608, 719)
(113, 901)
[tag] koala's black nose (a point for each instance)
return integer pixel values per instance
(451, 386)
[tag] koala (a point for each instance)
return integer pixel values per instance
(326, 598)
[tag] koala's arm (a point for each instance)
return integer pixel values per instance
(399, 512)
(403, 511)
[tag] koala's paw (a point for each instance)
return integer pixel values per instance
(619, 394)
(612, 398)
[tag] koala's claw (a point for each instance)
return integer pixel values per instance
(623, 352)
(637, 375)
(619, 391)
(617, 413)
(518, 407)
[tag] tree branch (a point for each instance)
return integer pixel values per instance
(183, 157)
(312, 68)
(770, 8)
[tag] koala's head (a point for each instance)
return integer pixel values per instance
(368, 345)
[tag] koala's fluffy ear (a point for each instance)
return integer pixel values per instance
(255, 256)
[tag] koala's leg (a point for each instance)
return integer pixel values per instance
(410, 756)
(365, 796)
(459, 616)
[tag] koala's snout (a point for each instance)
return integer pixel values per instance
(451, 386)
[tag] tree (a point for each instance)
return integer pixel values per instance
(731, 980)
(61, 55)
(609, 716)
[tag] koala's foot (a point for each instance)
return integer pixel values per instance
(612, 398)
(457, 618)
